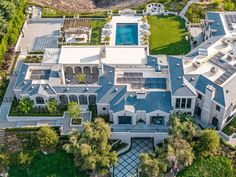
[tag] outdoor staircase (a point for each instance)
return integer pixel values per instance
(2, 134)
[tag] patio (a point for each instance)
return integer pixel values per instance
(128, 163)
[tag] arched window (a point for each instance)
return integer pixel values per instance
(69, 70)
(40, 100)
(87, 70)
(78, 70)
(95, 72)
(92, 99)
(83, 100)
(73, 98)
(63, 99)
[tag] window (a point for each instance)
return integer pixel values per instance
(157, 120)
(83, 100)
(189, 102)
(183, 103)
(177, 104)
(39, 100)
(125, 119)
(199, 96)
(92, 99)
(218, 108)
(104, 109)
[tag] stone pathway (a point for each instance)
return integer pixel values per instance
(128, 163)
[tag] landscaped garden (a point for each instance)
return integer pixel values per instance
(24, 107)
(59, 164)
(209, 167)
(230, 128)
(97, 26)
(168, 36)
(190, 152)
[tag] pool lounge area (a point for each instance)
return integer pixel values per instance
(126, 34)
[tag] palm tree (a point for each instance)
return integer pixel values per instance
(80, 77)
(179, 152)
(25, 105)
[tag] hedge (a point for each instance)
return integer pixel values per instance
(13, 29)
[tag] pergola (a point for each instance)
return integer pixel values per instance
(76, 26)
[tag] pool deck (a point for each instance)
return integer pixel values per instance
(124, 19)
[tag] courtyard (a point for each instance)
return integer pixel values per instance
(168, 36)
(127, 164)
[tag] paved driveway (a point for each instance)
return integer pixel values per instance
(39, 35)
(128, 163)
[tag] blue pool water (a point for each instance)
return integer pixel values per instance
(126, 34)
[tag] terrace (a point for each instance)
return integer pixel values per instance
(76, 30)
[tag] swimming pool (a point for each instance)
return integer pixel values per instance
(126, 34)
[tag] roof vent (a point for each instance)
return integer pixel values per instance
(192, 79)
(32, 87)
(179, 77)
(177, 64)
(131, 95)
(116, 89)
(23, 73)
(218, 24)
(109, 83)
(87, 88)
(110, 71)
(227, 91)
(183, 85)
(24, 82)
(67, 89)
(46, 87)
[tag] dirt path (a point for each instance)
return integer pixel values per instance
(88, 5)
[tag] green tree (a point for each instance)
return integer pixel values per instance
(74, 110)
(52, 105)
(208, 143)
(179, 152)
(47, 138)
(7, 9)
(183, 127)
(25, 105)
(149, 166)
(4, 162)
(3, 26)
(24, 159)
(80, 77)
(91, 149)
(229, 6)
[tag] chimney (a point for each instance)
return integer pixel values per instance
(210, 92)
(103, 52)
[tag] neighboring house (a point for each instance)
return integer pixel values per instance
(132, 87)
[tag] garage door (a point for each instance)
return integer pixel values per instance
(124, 119)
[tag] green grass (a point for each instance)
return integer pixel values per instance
(168, 36)
(209, 167)
(97, 26)
(59, 164)
(230, 128)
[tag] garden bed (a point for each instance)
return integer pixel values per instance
(230, 128)
(35, 111)
(33, 59)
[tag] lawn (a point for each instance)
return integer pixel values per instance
(59, 164)
(230, 128)
(209, 167)
(168, 36)
(97, 26)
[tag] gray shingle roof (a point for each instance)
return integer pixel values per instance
(176, 74)
(217, 24)
(200, 83)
